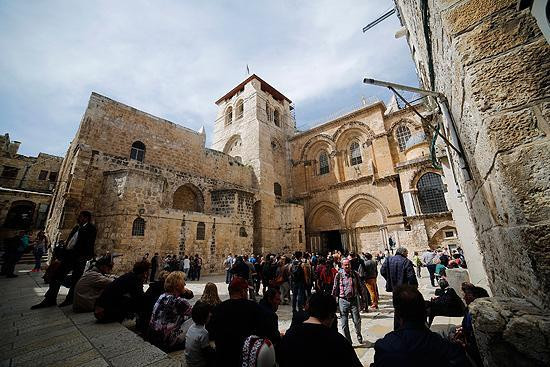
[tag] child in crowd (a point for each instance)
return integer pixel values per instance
(198, 352)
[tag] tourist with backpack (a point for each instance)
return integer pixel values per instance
(347, 289)
(298, 283)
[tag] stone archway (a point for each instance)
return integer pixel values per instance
(325, 228)
(188, 198)
(365, 218)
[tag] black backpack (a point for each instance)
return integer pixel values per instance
(297, 272)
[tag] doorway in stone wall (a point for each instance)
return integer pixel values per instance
(331, 241)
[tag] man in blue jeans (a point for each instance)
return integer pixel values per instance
(347, 289)
(298, 283)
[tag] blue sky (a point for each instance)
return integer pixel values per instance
(173, 59)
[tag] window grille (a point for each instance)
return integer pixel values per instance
(323, 164)
(201, 229)
(138, 227)
(138, 151)
(431, 194)
(355, 154)
(240, 109)
(402, 134)
(229, 116)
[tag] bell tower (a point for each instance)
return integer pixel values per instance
(253, 125)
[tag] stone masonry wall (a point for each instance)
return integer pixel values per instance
(492, 62)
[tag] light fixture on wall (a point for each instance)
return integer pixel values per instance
(141, 211)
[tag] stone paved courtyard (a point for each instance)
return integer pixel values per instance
(58, 337)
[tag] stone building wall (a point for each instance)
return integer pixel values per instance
(363, 202)
(98, 175)
(491, 61)
(25, 182)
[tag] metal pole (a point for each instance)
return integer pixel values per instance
(426, 121)
(407, 88)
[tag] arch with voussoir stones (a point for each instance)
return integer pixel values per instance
(421, 172)
(351, 130)
(321, 138)
(355, 201)
(321, 209)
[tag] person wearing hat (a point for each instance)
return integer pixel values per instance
(90, 286)
(233, 321)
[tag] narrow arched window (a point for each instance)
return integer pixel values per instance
(323, 164)
(201, 231)
(355, 154)
(229, 116)
(277, 189)
(268, 112)
(138, 227)
(242, 232)
(240, 109)
(276, 117)
(300, 239)
(402, 133)
(138, 151)
(431, 194)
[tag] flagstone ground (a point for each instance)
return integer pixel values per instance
(58, 337)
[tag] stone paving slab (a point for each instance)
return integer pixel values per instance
(58, 337)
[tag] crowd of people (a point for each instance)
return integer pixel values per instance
(244, 330)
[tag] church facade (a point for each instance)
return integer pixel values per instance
(357, 183)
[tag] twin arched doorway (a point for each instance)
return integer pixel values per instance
(358, 226)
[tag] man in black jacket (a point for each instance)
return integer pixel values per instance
(412, 343)
(79, 248)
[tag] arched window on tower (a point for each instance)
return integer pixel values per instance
(355, 154)
(323, 164)
(229, 116)
(276, 117)
(268, 112)
(240, 109)
(138, 151)
(201, 231)
(402, 133)
(138, 227)
(277, 189)
(431, 194)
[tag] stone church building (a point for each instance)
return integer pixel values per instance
(351, 183)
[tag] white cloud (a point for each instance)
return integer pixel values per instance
(174, 59)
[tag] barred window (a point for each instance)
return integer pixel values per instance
(402, 133)
(240, 109)
(138, 151)
(138, 227)
(277, 189)
(229, 116)
(323, 164)
(201, 229)
(431, 194)
(355, 154)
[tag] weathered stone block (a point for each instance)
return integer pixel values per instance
(467, 14)
(512, 129)
(510, 80)
(508, 332)
(498, 34)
